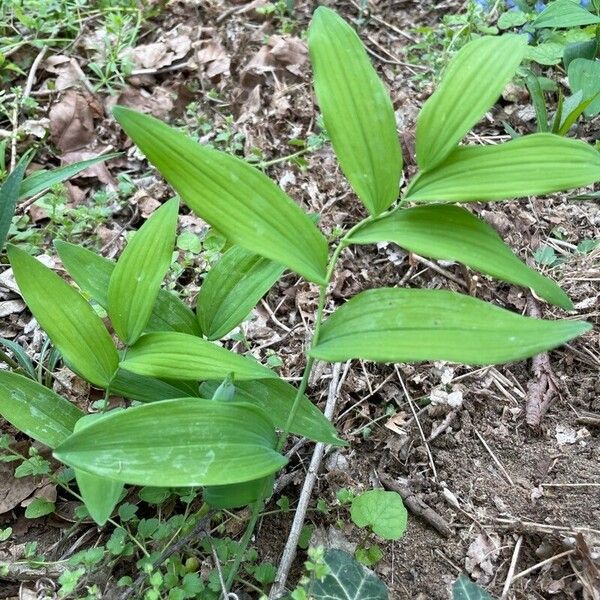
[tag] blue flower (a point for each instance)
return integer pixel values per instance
(539, 6)
(584, 3)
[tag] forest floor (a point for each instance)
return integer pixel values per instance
(455, 439)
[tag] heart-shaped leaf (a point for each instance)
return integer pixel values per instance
(472, 82)
(36, 410)
(182, 356)
(357, 110)
(407, 325)
(449, 232)
(382, 512)
(232, 288)
(177, 443)
(67, 318)
(527, 166)
(135, 281)
(234, 197)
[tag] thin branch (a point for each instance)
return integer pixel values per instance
(289, 552)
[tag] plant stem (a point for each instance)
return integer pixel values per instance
(259, 504)
(9, 361)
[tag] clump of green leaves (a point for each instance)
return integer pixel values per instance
(207, 417)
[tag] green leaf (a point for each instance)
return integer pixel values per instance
(236, 495)
(182, 356)
(471, 84)
(382, 512)
(465, 589)
(39, 507)
(232, 196)
(232, 288)
(546, 53)
(347, 580)
(512, 18)
(100, 494)
(178, 443)
(527, 166)
(564, 14)
(67, 318)
(136, 278)
(42, 180)
(9, 194)
(407, 325)
(448, 232)
(357, 110)
(92, 272)
(149, 389)
(21, 357)
(36, 410)
(587, 50)
(585, 75)
(276, 397)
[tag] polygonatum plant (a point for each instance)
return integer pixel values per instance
(206, 416)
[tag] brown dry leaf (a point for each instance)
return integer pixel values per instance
(159, 103)
(162, 53)
(212, 58)
(99, 170)
(46, 491)
(72, 120)
(67, 70)
(481, 555)
(283, 57)
(14, 490)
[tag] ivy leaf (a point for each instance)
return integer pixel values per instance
(465, 589)
(347, 580)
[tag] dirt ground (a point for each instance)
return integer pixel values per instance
(497, 488)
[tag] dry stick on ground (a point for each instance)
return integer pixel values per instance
(511, 569)
(542, 389)
(289, 552)
(416, 505)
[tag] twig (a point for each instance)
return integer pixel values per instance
(494, 458)
(542, 388)
(511, 569)
(289, 552)
(226, 595)
(18, 571)
(416, 505)
(435, 267)
(416, 417)
(32, 71)
(543, 563)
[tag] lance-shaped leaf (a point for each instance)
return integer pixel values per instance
(70, 322)
(236, 495)
(136, 278)
(232, 288)
(276, 397)
(536, 164)
(357, 110)
(149, 389)
(471, 84)
(564, 14)
(180, 443)
(452, 233)
(36, 410)
(182, 356)
(92, 272)
(42, 180)
(9, 194)
(100, 494)
(234, 197)
(406, 325)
